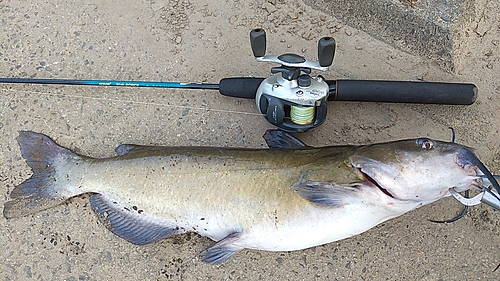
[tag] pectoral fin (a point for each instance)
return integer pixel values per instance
(326, 193)
(222, 250)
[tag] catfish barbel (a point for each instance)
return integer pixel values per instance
(285, 198)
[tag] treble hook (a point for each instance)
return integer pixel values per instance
(452, 134)
(459, 216)
(467, 201)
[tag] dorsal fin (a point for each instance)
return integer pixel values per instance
(279, 139)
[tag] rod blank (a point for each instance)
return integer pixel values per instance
(171, 85)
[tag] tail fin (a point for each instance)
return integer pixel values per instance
(39, 192)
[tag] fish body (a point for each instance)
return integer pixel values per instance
(289, 197)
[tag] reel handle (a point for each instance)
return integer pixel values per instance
(258, 42)
(326, 51)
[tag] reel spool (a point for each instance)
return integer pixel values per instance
(291, 98)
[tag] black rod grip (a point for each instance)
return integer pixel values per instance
(240, 87)
(402, 92)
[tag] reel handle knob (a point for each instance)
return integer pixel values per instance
(326, 51)
(258, 42)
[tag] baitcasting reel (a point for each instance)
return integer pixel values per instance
(291, 98)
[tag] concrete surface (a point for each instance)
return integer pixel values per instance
(204, 41)
(429, 28)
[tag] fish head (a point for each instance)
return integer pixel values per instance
(417, 170)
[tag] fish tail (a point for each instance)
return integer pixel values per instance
(42, 190)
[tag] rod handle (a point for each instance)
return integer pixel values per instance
(240, 87)
(402, 92)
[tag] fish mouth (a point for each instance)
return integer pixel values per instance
(373, 182)
(467, 158)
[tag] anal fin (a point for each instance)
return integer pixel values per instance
(130, 225)
(222, 250)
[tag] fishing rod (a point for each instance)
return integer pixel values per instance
(291, 98)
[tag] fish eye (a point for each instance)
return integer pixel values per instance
(425, 143)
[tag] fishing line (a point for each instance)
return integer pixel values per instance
(136, 102)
